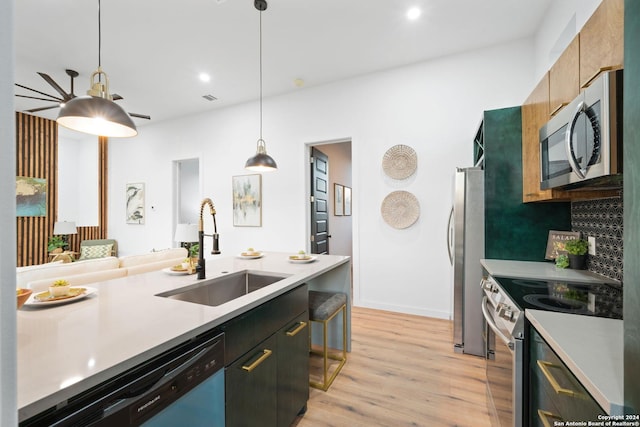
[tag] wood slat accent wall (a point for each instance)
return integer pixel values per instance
(37, 156)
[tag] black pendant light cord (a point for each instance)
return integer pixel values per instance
(260, 74)
(99, 42)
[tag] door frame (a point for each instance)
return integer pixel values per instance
(355, 252)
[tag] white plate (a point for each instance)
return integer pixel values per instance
(169, 270)
(303, 261)
(244, 256)
(33, 302)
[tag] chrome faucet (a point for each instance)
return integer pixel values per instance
(200, 268)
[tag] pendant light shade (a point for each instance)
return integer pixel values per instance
(96, 113)
(96, 116)
(261, 161)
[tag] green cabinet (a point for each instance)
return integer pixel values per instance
(513, 230)
(293, 369)
(631, 135)
(267, 362)
(555, 394)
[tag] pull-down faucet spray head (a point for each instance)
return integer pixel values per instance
(201, 262)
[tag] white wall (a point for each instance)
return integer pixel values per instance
(435, 107)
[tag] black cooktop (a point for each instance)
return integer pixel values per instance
(592, 299)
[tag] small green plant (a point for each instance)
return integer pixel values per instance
(56, 242)
(193, 250)
(576, 246)
(562, 261)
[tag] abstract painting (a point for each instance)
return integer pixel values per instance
(31, 196)
(247, 200)
(135, 203)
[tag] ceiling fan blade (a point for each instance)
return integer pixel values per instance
(140, 116)
(116, 97)
(56, 86)
(35, 110)
(51, 97)
(35, 97)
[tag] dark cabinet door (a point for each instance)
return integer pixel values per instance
(251, 387)
(293, 369)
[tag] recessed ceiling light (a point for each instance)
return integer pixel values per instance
(204, 77)
(413, 13)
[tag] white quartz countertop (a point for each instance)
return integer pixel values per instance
(540, 271)
(65, 349)
(592, 348)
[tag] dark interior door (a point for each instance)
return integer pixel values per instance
(319, 202)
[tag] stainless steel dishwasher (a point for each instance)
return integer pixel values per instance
(183, 386)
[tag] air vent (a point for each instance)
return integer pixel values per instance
(209, 97)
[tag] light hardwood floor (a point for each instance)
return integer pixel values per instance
(402, 371)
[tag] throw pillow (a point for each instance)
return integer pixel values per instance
(95, 251)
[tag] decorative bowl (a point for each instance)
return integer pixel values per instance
(23, 295)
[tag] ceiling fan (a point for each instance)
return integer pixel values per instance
(64, 96)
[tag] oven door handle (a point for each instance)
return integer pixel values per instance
(493, 326)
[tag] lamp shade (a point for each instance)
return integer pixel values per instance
(186, 233)
(64, 228)
(96, 116)
(261, 161)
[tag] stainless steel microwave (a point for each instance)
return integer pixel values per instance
(582, 145)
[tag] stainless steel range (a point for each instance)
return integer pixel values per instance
(503, 305)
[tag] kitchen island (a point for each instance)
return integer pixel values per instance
(64, 350)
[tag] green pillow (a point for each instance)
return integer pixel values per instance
(95, 251)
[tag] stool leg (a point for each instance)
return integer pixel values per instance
(325, 353)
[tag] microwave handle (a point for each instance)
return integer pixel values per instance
(567, 139)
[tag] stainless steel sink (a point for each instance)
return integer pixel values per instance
(224, 289)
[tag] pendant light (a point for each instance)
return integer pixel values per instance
(96, 113)
(261, 161)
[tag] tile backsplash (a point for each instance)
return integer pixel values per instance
(602, 219)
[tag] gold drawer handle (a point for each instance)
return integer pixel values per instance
(265, 354)
(596, 74)
(301, 326)
(545, 415)
(544, 367)
(558, 108)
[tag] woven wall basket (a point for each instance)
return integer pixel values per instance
(400, 162)
(400, 209)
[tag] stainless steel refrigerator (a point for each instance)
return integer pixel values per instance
(466, 248)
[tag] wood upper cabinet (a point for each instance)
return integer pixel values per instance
(535, 113)
(564, 78)
(598, 47)
(602, 41)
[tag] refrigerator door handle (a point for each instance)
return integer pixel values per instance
(450, 232)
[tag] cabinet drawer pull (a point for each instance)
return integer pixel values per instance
(558, 108)
(545, 415)
(596, 74)
(265, 354)
(301, 326)
(544, 367)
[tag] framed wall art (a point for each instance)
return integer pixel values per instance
(347, 201)
(338, 199)
(135, 203)
(247, 200)
(31, 196)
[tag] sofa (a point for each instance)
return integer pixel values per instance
(39, 277)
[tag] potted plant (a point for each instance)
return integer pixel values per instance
(577, 252)
(56, 244)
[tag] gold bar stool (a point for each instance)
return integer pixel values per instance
(324, 306)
